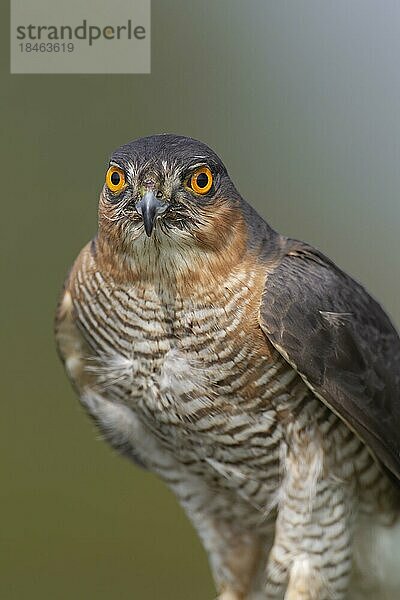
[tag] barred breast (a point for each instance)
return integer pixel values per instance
(199, 373)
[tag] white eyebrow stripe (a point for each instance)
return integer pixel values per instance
(196, 165)
(113, 163)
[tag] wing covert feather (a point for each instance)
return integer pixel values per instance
(342, 344)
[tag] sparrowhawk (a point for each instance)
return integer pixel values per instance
(244, 368)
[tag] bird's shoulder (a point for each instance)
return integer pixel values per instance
(305, 281)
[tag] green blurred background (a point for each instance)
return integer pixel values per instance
(301, 99)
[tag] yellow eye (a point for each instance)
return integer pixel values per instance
(201, 180)
(115, 179)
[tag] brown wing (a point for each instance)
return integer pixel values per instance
(342, 344)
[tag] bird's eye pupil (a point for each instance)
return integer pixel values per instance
(115, 178)
(202, 180)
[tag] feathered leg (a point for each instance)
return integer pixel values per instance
(236, 555)
(312, 555)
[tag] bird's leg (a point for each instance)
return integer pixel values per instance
(311, 555)
(236, 555)
(234, 558)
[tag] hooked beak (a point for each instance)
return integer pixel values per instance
(149, 208)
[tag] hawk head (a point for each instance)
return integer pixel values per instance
(168, 191)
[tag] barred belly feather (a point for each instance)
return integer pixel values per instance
(189, 371)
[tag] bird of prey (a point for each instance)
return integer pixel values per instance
(245, 369)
